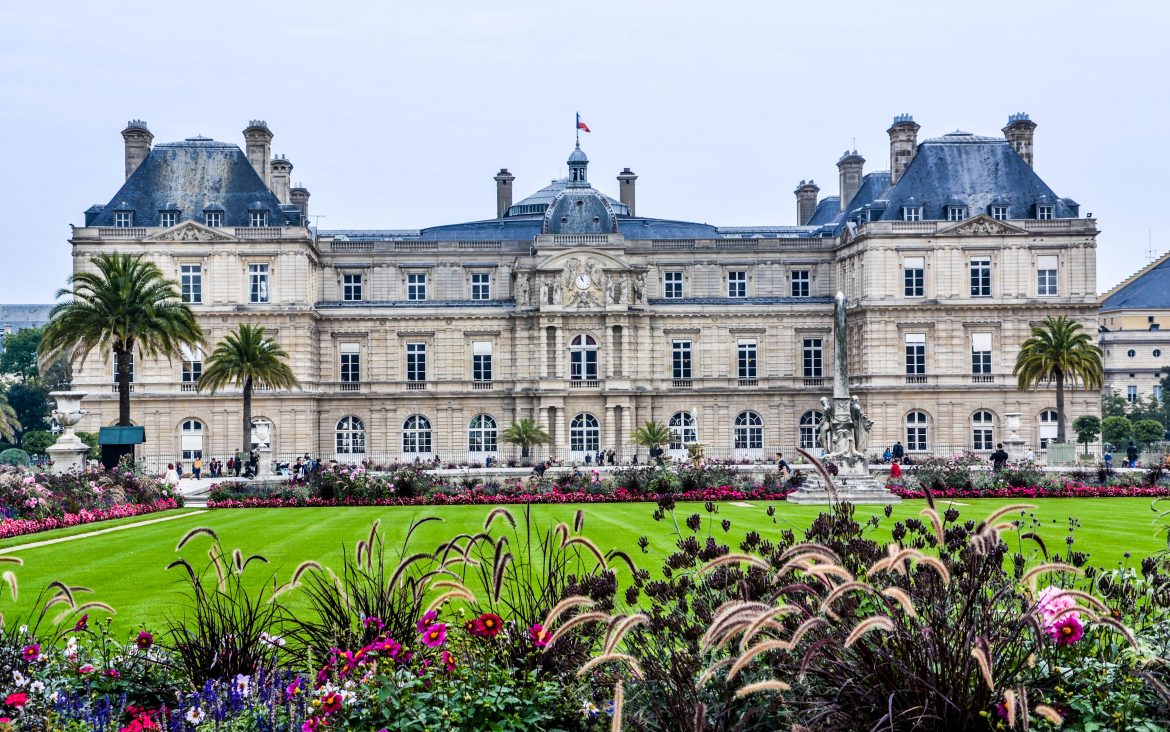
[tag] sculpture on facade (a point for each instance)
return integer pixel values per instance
(521, 289)
(639, 288)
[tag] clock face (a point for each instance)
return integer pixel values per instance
(583, 281)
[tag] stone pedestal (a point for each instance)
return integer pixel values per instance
(853, 485)
(1012, 442)
(69, 452)
(265, 469)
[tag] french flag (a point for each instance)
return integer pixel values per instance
(581, 125)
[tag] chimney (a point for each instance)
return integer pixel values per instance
(850, 166)
(503, 192)
(299, 197)
(1019, 132)
(626, 188)
(806, 202)
(281, 178)
(138, 140)
(903, 144)
(258, 139)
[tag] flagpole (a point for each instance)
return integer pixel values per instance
(577, 128)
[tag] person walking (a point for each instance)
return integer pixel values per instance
(782, 466)
(999, 458)
(171, 478)
(197, 467)
(1131, 454)
(179, 468)
(898, 452)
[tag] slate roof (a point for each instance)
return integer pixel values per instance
(545, 196)
(19, 317)
(1149, 290)
(194, 175)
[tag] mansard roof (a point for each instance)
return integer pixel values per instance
(191, 176)
(1147, 290)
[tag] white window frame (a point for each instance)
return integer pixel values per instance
(812, 358)
(481, 361)
(809, 429)
(981, 354)
(416, 436)
(1047, 269)
(999, 213)
(914, 285)
(1131, 393)
(672, 285)
(123, 219)
(191, 282)
(737, 283)
(748, 432)
(584, 434)
(684, 430)
(681, 362)
(350, 436)
(482, 435)
(416, 286)
(481, 286)
(115, 364)
(259, 283)
(583, 359)
(915, 354)
(352, 286)
(257, 219)
(1044, 213)
(416, 361)
(911, 213)
(983, 430)
(350, 363)
(747, 358)
(956, 213)
(167, 219)
(191, 439)
(800, 283)
(980, 271)
(917, 431)
(213, 219)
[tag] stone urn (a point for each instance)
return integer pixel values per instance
(68, 452)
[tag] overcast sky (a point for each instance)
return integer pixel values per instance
(398, 114)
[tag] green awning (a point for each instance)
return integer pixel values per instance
(121, 435)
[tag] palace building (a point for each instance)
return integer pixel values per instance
(580, 311)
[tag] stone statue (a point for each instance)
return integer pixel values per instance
(861, 425)
(639, 288)
(825, 428)
(544, 293)
(556, 292)
(522, 289)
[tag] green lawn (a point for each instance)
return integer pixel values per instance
(126, 568)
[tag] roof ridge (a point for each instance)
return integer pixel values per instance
(1133, 278)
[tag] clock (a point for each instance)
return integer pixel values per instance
(583, 281)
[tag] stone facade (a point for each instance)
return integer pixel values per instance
(1135, 332)
(568, 309)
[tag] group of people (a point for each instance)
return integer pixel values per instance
(242, 463)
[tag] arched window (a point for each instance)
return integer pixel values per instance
(1048, 428)
(983, 430)
(351, 436)
(749, 431)
(583, 358)
(682, 430)
(481, 434)
(192, 439)
(916, 431)
(584, 433)
(809, 422)
(416, 435)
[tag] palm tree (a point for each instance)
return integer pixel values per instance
(652, 435)
(525, 433)
(1057, 351)
(246, 357)
(127, 306)
(9, 424)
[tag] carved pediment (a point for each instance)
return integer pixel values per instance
(190, 231)
(982, 225)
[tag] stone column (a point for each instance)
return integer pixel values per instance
(610, 430)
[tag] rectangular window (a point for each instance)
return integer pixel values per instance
(1158, 392)
(747, 358)
(192, 370)
(191, 283)
(980, 354)
(737, 284)
(168, 218)
(672, 285)
(911, 213)
(813, 358)
(481, 360)
(1046, 274)
(416, 362)
(999, 212)
(982, 438)
(351, 287)
(481, 286)
(915, 354)
(258, 282)
(681, 359)
(351, 363)
(131, 368)
(1044, 213)
(801, 283)
(981, 277)
(257, 218)
(956, 213)
(416, 286)
(1131, 393)
(123, 219)
(914, 276)
(213, 218)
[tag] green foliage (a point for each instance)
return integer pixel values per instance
(37, 442)
(1147, 431)
(14, 456)
(9, 422)
(1058, 351)
(124, 307)
(30, 402)
(526, 433)
(91, 439)
(1116, 430)
(20, 353)
(1087, 427)
(1114, 405)
(652, 434)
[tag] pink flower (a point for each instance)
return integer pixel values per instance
(435, 636)
(31, 652)
(372, 621)
(86, 669)
(145, 640)
(1067, 630)
(81, 624)
(426, 620)
(539, 635)
(448, 660)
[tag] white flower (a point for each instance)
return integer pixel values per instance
(195, 715)
(71, 646)
(272, 640)
(36, 687)
(242, 683)
(22, 630)
(18, 678)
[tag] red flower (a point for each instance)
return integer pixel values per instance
(539, 635)
(31, 652)
(81, 624)
(448, 661)
(17, 700)
(487, 625)
(145, 640)
(331, 703)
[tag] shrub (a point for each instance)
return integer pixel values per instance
(37, 442)
(14, 456)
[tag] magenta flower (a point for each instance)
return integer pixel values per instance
(31, 652)
(373, 621)
(82, 624)
(435, 636)
(1067, 630)
(426, 620)
(539, 635)
(145, 640)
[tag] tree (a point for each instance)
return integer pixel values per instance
(36, 442)
(91, 439)
(126, 307)
(9, 424)
(30, 402)
(526, 433)
(1114, 405)
(652, 435)
(247, 358)
(1147, 431)
(20, 354)
(1116, 431)
(1087, 427)
(1058, 351)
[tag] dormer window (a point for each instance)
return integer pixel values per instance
(123, 219)
(911, 213)
(956, 213)
(257, 218)
(1000, 213)
(1044, 213)
(167, 219)
(213, 218)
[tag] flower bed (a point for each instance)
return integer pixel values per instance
(20, 527)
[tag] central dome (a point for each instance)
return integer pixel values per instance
(579, 211)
